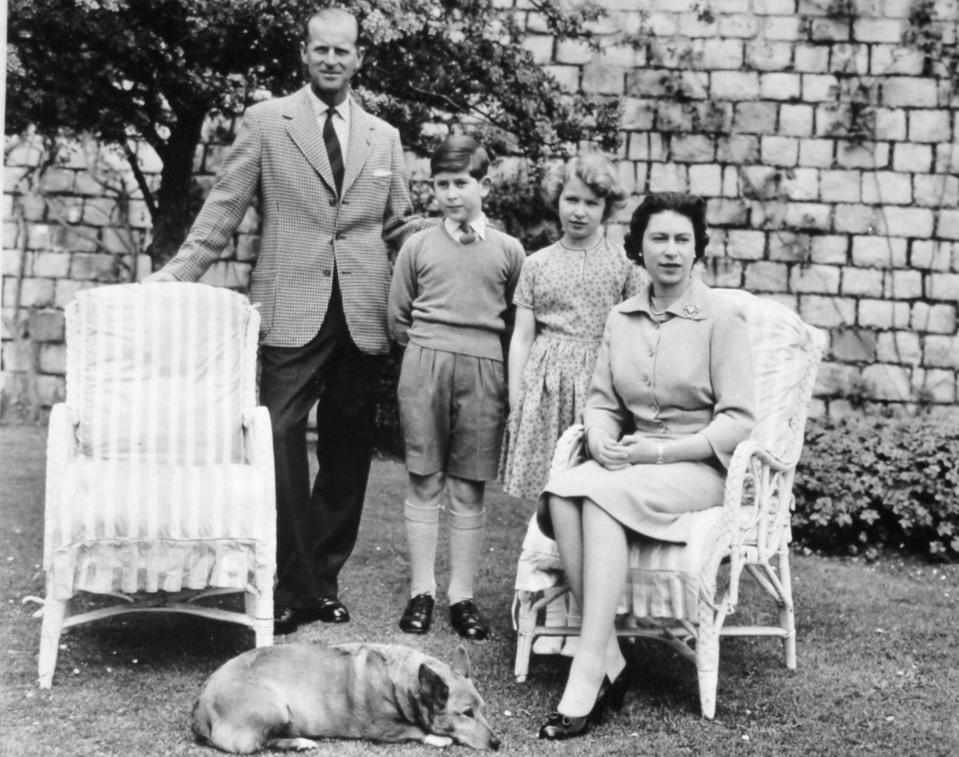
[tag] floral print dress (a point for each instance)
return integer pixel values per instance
(570, 293)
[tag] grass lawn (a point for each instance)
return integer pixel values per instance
(878, 656)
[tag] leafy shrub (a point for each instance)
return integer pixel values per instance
(871, 483)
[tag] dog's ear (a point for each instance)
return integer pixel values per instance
(433, 688)
(461, 661)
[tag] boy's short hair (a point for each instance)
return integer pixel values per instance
(460, 153)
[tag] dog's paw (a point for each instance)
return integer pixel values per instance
(298, 744)
(432, 739)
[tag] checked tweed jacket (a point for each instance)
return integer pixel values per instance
(279, 155)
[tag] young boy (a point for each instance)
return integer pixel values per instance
(452, 285)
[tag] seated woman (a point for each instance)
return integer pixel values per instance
(670, 398)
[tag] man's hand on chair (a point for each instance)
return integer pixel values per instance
(158, 277)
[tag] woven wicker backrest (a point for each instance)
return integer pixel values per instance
(161, 372)
(786, 354)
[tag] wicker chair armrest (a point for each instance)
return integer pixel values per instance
(570, 450)
(258, 439)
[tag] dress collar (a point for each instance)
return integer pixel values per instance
(320, 107)
(691, 305)
(478, 225)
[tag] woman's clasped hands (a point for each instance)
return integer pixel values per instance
(629, 450)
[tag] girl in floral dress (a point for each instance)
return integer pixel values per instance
(564, 294)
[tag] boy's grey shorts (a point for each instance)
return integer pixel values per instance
(452, 408)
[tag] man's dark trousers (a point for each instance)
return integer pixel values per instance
(316, 533)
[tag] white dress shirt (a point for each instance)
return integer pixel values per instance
(341, 118)
(478, 225)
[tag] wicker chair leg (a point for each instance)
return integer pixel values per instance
(525, 626)
(259, 608)
(787, 615)
(54, 612)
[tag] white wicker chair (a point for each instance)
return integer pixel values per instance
(673, 591)
(160, 484)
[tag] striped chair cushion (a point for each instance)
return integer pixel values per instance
(160, 372)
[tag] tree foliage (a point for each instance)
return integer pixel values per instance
(126, 69)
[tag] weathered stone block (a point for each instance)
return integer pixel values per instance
(755, 117)
(706, 180)
(741, 26)
(940, 351)
(721, 54)
(745, 244)
(819, 88)
(66, 290)
(840, 186)
(811, 59)
(883, 314)
(49, 264)
(785, 27)
(52, 358)
(930, 254)
(856, 219)
(692, 148)
(889, 382)
(737, 149)
(827, 311)
(809, 215)
(766, 276)
(910, 92)
(834, 378)
(888, 59)
(34, 292)
(572, 52)
(942, 286)
(567, 77)
(789, 246)
(947, 158)
(901, 347)
(51, 390)
(668, 177)
(903, 285)
(735, 85)
(934, 385)
(908, 222)
(886, 188)
(795, 120)
(603, 79)
(829, 248)
(934, 319)
(862, 281)
(637, 114)
(915, 158)
(540, 47)
(16, 357)
(56, 181)
(869, 155)
(877, 30)
(890, 124)
(927, 125)
(936, 191)
(727, 212)
(849, 58)
(779, 151)
(79, 239)
(829, 30)
(99, 211)
(769, 55)
(92, 267)
(948, 225)
(723, 272)
(853, 345)
(870, 251)
(817, 153)
(815, 278)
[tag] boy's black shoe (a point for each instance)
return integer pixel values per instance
(466, 619)
(330, 610)
(418, 615)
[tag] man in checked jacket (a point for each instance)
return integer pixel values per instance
(332, 196)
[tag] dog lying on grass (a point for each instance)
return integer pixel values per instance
(286, 696)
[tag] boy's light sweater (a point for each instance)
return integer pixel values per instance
(453, 297)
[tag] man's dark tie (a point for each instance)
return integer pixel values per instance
(467, 235)
(333, 151)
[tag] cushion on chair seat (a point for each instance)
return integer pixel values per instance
(133, 526)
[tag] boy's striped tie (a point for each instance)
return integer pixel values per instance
(467, 235)
(333, 151)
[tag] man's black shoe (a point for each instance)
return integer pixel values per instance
(418, 614)
(466, 619)
(330, 610)
(286, 620)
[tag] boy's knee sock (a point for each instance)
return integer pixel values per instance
(467, 532)
(422, 532)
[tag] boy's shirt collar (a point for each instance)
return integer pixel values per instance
(478, 225)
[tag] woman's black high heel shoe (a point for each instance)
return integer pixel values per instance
(559, 727)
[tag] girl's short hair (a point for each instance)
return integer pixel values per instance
(598, 173)
(689, 205)
(460, 153)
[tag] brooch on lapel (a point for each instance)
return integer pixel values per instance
(690, 311)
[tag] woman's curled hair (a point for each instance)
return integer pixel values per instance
(689, 205)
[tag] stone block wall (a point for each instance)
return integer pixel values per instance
(824, 134)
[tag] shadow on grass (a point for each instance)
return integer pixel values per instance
(878, 663)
